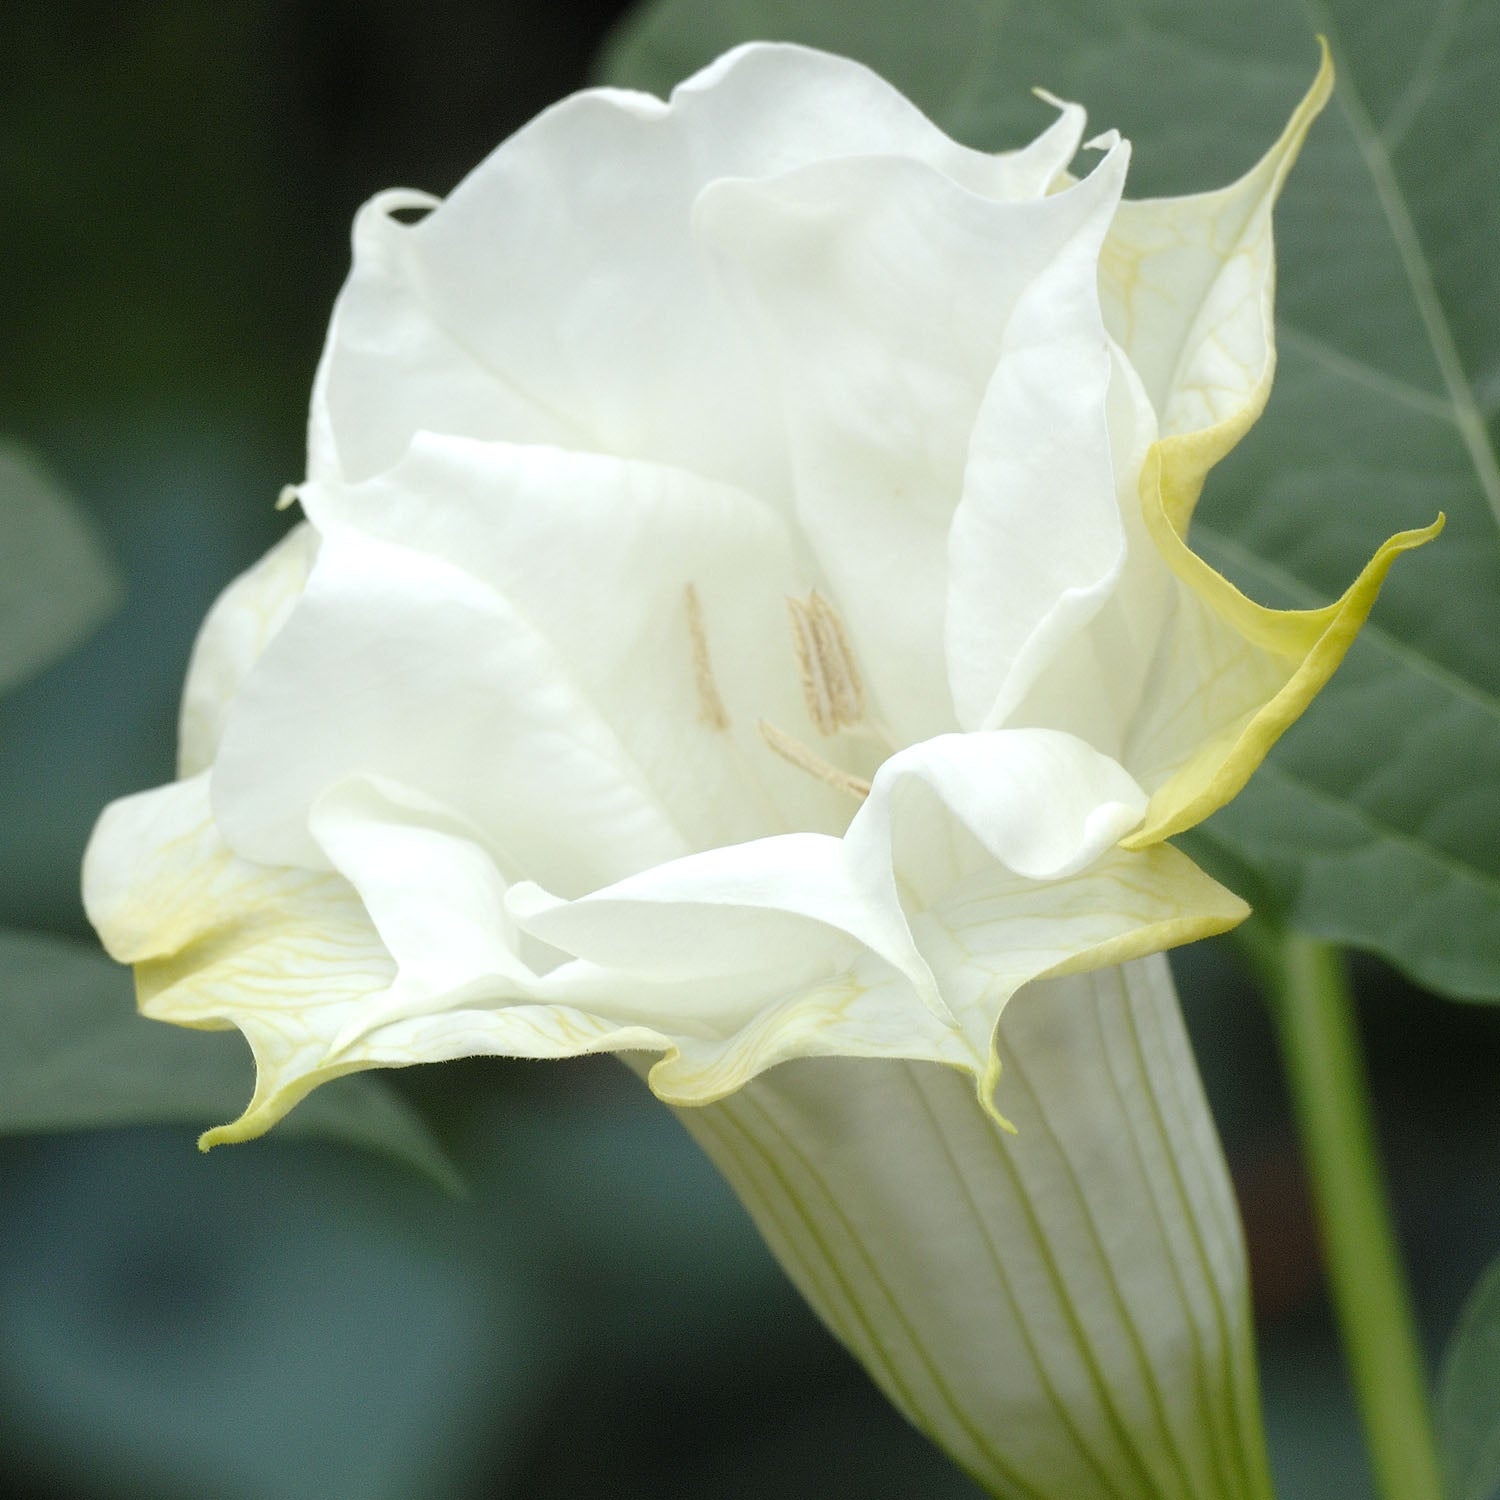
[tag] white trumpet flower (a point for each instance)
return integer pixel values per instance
(743, 615)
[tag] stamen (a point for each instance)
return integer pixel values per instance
(799, 755)
(711, 709)
(831, 684)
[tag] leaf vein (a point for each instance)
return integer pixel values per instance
(1250, 563)
(1380, 829)
(1363, 373)
(1466, 412)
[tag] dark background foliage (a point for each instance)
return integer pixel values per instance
(301, 1319)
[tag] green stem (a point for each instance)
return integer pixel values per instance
(1314, 1009)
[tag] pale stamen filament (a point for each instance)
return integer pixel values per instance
(711, 710)
(794, 751)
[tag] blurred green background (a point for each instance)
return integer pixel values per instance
(298, 1318)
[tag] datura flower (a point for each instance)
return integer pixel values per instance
(744, 614)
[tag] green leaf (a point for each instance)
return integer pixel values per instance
(75, 1055)
(56, 584)
(1375, 822)
(1468, 1407)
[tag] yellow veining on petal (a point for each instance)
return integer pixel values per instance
(1258, 668)
(285, 962)
(1158, 934)
(285, 955)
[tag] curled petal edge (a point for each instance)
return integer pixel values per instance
(1212, 918)
(1311, 642)
(1174, 903)
(1315, 641)
(289, 957)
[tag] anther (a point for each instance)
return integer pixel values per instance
(831, 684)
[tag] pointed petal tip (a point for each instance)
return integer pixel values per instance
(1327, 74)
(236, 1131)
(273, 1100)
(1320, 637)
(985, 1085)
(260, 1115)
(1288, 144)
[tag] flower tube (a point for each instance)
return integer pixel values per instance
(1065, 1310)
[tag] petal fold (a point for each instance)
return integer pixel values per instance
(978, 863)
(899, 309)
(401, 665)
(232, 638)
(1038, 467)
(288, 956)
(556, 296)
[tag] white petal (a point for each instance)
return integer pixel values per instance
(712, 914)
(1065, 1310)
(727, 963)
(767, 108)
(1096, 677)
(557, 297)
(887, 292)
(662, 596)
(400, 665)
(288, 956)
(994, 932)
(1037, 542)
(736, 969)
(742, 957)
(1188, 284)
(390, 368)
(1187, 287)
(434, 894)
(978, 863)
(1040, 804)
(230, 641)
(1041, 167)
(1000, 851)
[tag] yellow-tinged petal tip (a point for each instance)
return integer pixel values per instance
(1280, 658)
(986, 1084)
(1203, 908)
(1317, 639)
(271, 1105)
